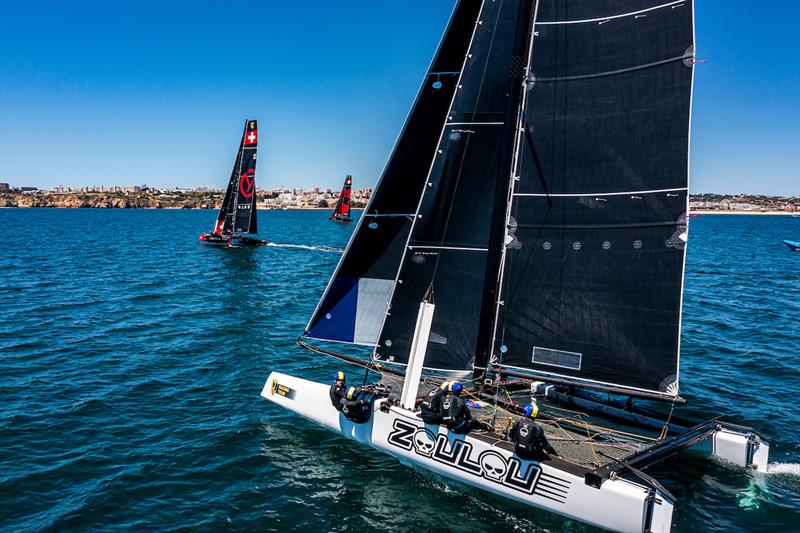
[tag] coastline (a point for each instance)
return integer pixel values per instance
(736, 212)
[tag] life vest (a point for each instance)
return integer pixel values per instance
(527, 437)
(336, 393)
(453, 410)
(430, 408)
(358, 407)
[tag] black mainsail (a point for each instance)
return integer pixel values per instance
(549, 228)
(238, 211)
(593, 272)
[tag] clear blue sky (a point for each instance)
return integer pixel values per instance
(156, 92)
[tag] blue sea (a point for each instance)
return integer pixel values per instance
(133, 358)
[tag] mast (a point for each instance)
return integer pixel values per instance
(502, 198)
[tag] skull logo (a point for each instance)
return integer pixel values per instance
(423, 442)
(494, 466)
(523, 431)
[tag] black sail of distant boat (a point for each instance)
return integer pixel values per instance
(238, 211)
(341, 212)
(354, 303)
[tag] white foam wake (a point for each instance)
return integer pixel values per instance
(328, 249)
(784, 468)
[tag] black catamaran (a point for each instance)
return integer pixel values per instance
(238, 214)
(528, 235)
(341, 212)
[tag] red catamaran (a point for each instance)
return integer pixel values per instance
(342, 211)
(238, 212)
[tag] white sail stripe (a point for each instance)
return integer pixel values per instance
(464, 248)
(556, 22)
(568, 195)
(475, 123)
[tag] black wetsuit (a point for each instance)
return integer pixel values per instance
(358, 409)
(431, 407)
(529, 440)
(337, 393)
(456, 415)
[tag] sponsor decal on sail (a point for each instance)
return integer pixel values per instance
(247, 183)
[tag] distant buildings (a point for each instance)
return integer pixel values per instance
(742, 202)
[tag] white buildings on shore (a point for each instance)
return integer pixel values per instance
(284, 198)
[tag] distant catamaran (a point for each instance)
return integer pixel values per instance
(341, 212)
(528, 235)
(238, 214)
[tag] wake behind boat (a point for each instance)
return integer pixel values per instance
(238, 214)
(528, 237)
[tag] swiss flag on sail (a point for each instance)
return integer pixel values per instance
(251, 137)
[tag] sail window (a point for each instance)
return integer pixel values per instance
(388, 342)
(560, 358)
(373, 225)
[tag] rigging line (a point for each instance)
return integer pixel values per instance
(618, 71)
(610, 17)
(665, 429)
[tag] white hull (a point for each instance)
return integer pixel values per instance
(619, 504)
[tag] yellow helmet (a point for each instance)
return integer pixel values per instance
(531, 410)
(445, 385)
(351, 392)
(340, 376)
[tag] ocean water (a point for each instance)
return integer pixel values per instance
(132, 361)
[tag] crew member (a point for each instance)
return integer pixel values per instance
(431, 406)
(355, 405)
(529, 439)
(337, 391)
(455, 413)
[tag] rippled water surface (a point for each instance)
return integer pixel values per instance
(132, 361)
